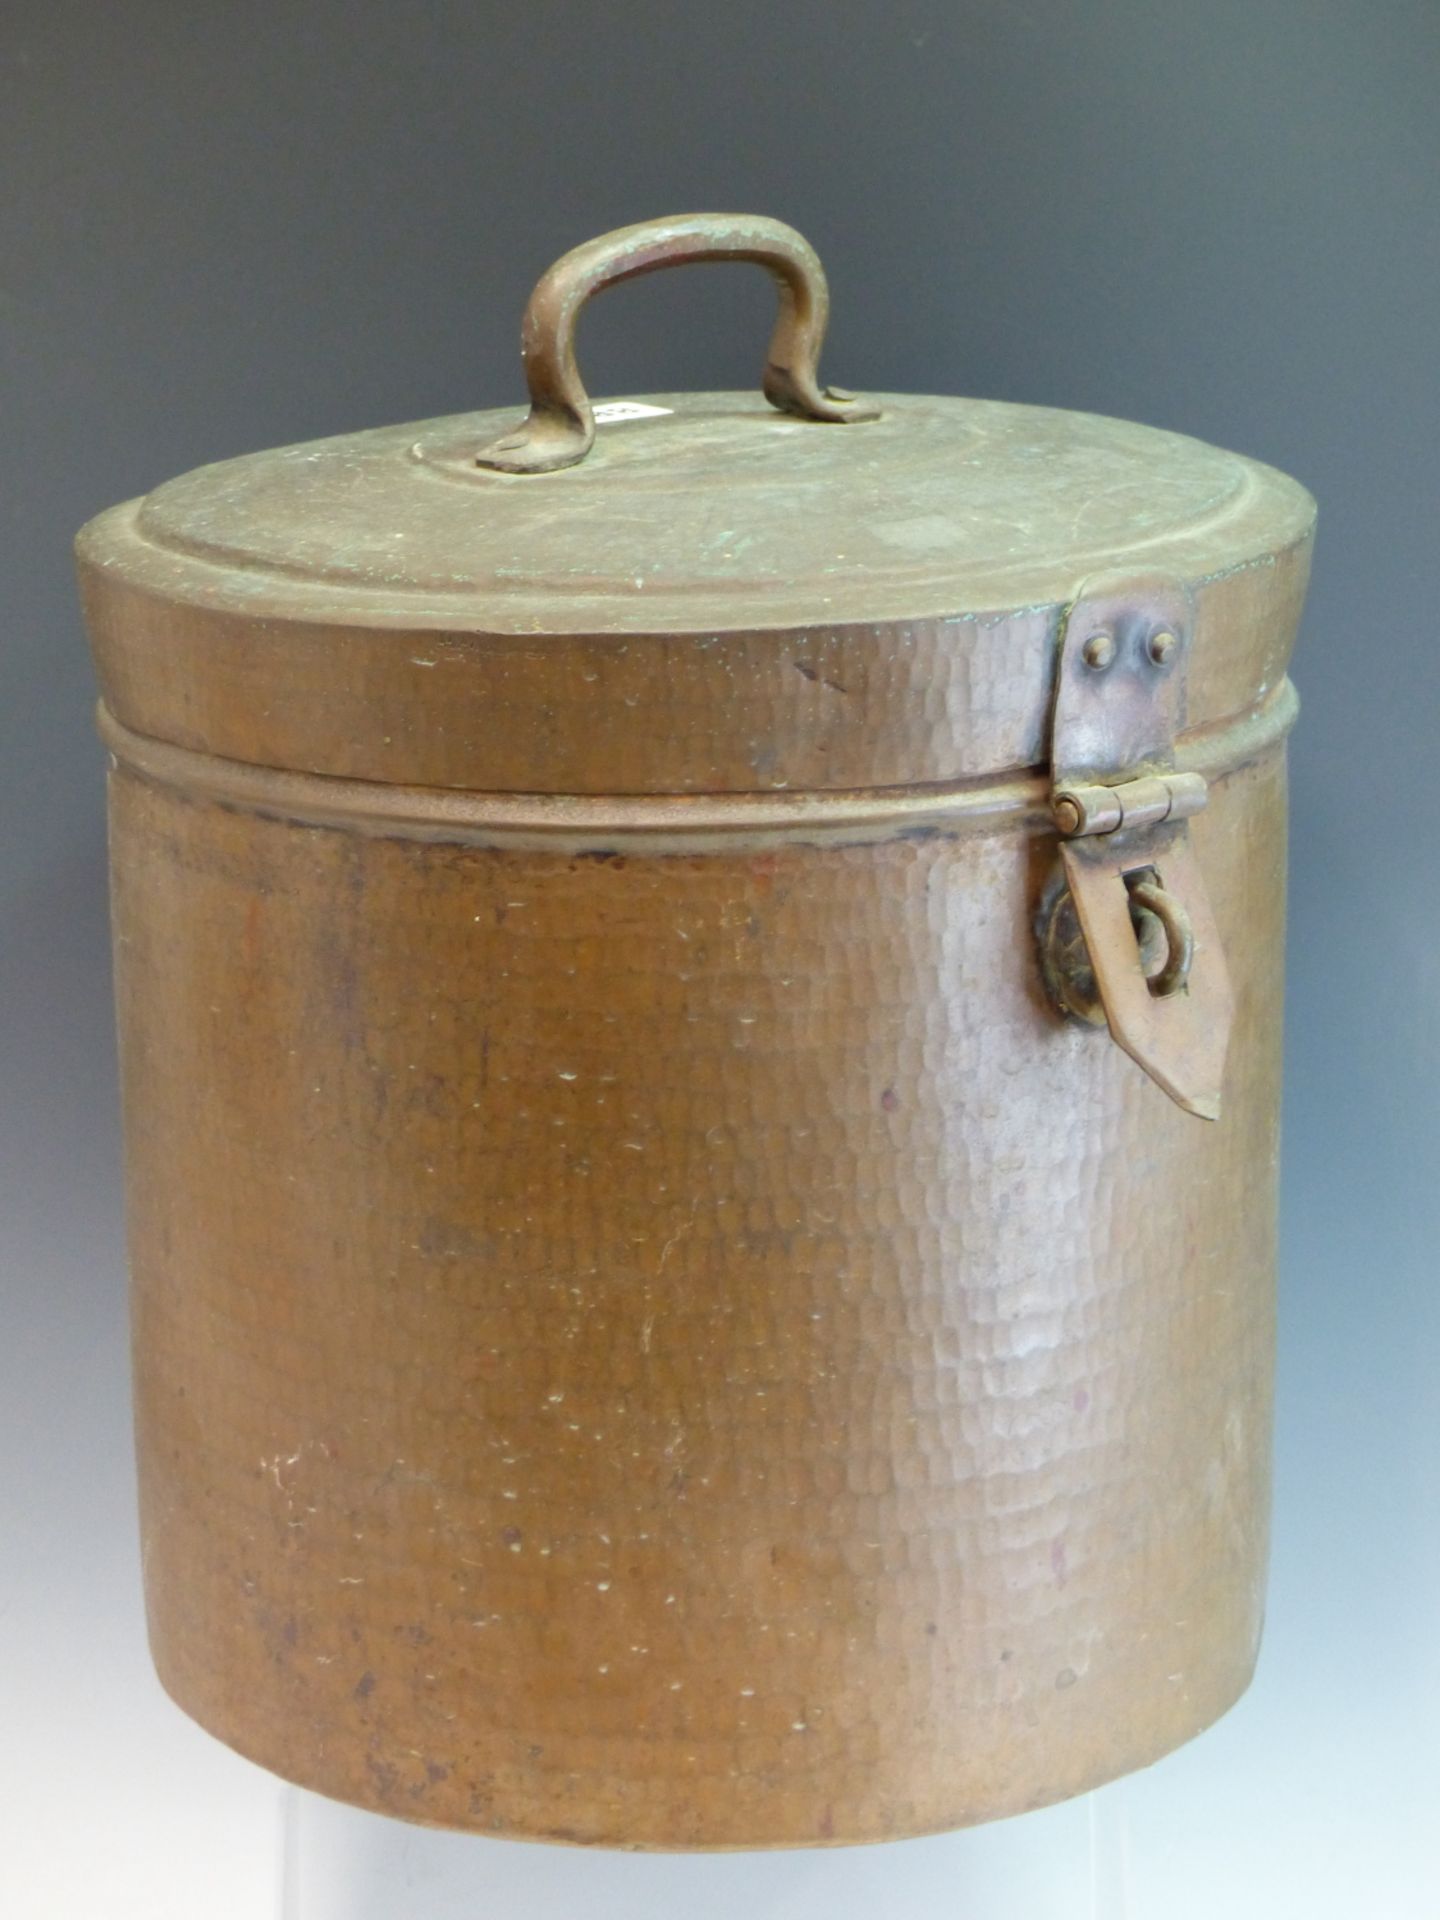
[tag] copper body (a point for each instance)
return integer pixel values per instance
(650, 1328)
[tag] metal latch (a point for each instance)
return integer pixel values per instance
(1127, 937)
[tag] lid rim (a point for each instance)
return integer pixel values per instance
(316, 603)
(969, 509)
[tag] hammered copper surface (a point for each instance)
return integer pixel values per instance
(684, 1351)
(651, 1329)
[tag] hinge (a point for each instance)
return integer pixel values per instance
(1127, 936)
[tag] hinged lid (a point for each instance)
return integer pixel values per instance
(714, 595)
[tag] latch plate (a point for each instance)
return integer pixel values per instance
(1122, 809)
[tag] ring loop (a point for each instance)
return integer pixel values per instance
(1149, 895)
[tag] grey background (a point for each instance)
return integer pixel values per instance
(228, 227)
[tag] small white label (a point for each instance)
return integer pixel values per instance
(626, 410)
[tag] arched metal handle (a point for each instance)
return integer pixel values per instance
(560, 429)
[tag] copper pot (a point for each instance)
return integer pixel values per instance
(661, 1317)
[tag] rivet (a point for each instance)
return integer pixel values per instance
(1162, 647)
(1068, 817)
(1098, 651)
